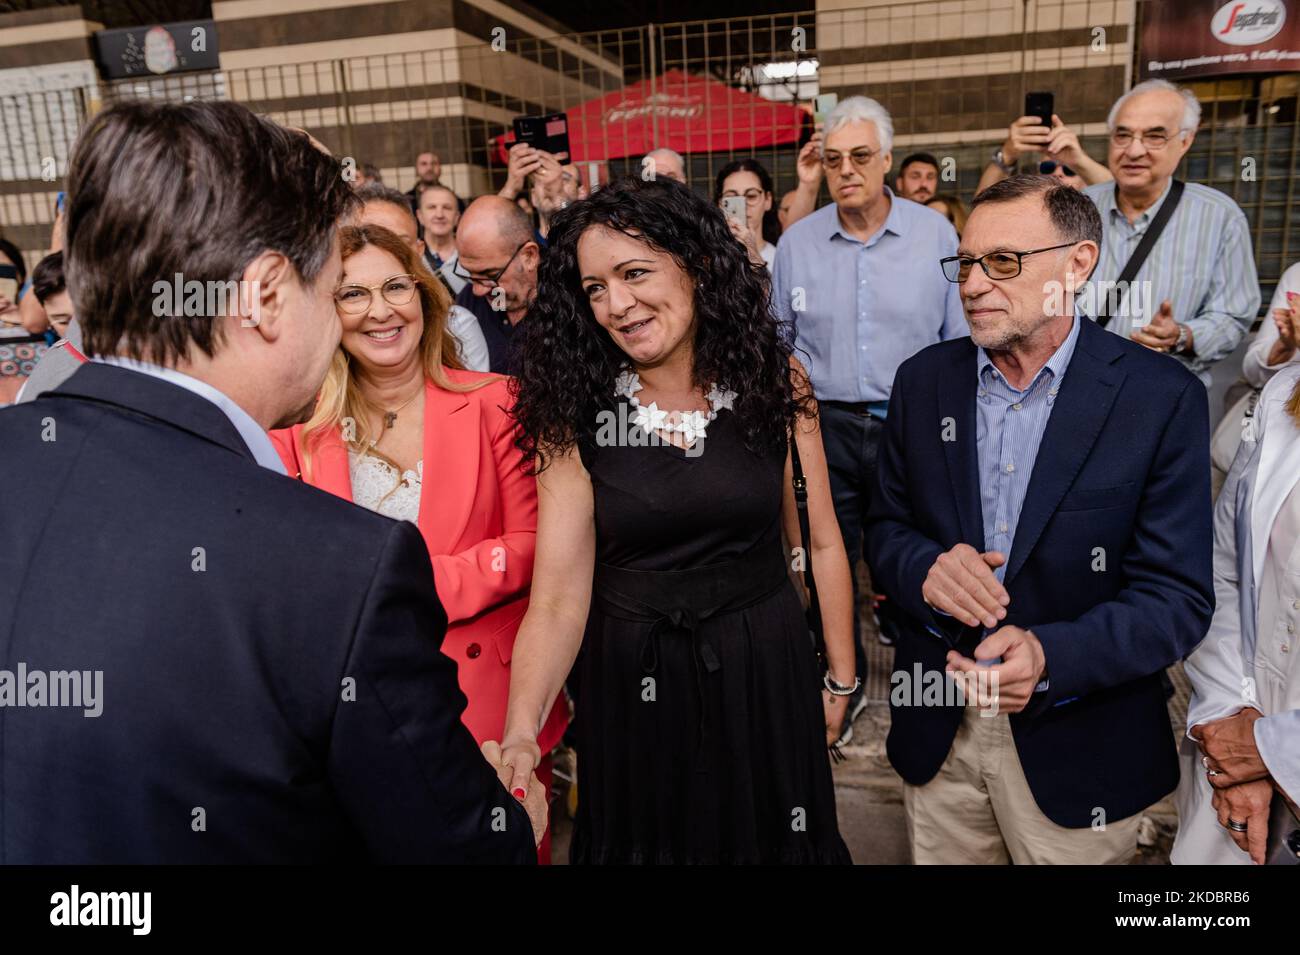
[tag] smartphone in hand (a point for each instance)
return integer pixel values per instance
(733, 207)
(547, 133)
(1041, 105)
(823, 105)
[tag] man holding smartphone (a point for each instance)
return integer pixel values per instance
(1041, 130)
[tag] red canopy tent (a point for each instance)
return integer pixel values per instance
(692, 114)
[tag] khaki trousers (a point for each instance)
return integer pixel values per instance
(978, 810)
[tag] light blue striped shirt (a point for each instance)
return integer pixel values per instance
(1202, 263)
(257, 440)
(869, 306)
(1009, 426)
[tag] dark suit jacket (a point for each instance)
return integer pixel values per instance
(1109, 567)
(233, 612)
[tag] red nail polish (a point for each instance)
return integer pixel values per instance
(520, 794)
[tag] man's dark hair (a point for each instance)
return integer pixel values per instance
(926, 158)
(1073, 214)
(198, 189)
(47, 277)
(372, 172)
(378, 192)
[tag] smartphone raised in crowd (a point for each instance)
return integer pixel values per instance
(823, 105)
(1041, 105)
(547, 133)
(734, 208)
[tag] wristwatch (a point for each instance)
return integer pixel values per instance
(1002, 163)
(1181, 344)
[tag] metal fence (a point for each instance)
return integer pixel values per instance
(952, 72)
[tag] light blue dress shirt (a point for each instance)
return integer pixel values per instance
(1009, 426)
(867, 306)
(259, 443)
(1202, 263)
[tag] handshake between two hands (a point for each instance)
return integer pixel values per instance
(961, 584)
(514, 767)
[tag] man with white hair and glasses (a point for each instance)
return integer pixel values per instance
(1176, 272)
(860, 281)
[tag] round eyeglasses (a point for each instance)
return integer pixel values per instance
(356, 299)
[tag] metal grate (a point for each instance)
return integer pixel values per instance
(951, 72)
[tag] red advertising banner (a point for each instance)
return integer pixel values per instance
(1183, 39)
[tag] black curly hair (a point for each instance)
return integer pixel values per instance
(568, 363)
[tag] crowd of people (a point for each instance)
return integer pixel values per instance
(591, 444)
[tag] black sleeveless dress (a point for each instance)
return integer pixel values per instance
(701, 737)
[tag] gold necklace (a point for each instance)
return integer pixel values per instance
(390, 418)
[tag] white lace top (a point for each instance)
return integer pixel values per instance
(372, 479)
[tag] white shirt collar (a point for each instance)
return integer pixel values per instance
(257, 440)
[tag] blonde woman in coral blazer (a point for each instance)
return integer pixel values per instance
(402, 429)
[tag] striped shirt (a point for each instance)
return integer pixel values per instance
(1202, 263)
(1009, 426)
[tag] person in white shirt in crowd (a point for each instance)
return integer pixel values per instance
(747, 179)
(1279, 334)
(383, 206)
(1240, 778)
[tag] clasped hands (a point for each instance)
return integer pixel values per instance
(1243, 790)
(515, 769)
(961, 583)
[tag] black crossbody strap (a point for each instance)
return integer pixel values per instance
(805, 541)
(1144, 248)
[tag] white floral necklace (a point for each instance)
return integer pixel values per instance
(690, 424)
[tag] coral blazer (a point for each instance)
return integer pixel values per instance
(478, 516)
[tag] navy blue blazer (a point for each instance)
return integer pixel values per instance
(273, 689)
(1110, 566)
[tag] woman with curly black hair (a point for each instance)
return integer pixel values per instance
(656, 400)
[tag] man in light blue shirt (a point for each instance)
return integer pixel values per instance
(1197, 294)
(1009, 426)
(860, 281)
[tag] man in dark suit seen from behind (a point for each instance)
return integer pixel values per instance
(270, 687)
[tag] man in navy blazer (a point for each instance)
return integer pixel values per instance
(201, 660)
(1043, 518)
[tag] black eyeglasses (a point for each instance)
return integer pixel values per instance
(1047, 167)
(997, 265)
(487, 280)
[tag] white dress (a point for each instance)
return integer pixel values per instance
(373, 479)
